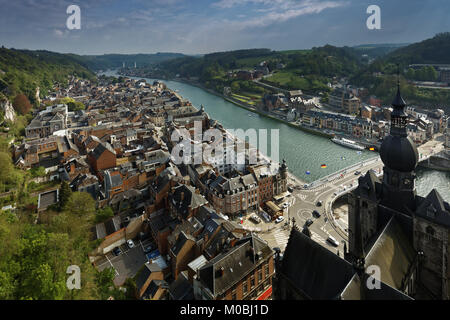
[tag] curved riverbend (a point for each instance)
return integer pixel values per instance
(303, 151)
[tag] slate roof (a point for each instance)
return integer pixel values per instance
(181, 241)
(153, 287)
(191, 199)
(101, 148)
(369, 186)
(234, 264)
(393, 253)
(181, 289)
(356, 290)
(433, 208)
(314, 270)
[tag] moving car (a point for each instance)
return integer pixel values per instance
(319, 203)
(130, 243)
(279, 219)
(316, 214)
(333, 241)
(290, 189)
(357, 173)
(308, 222)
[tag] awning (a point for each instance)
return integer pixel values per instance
(272, 206)
(281, 196)
(267, 294)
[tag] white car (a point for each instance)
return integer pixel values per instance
(279, 219)
(333, 241)
(130, 243)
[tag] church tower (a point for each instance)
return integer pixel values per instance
(400, 158)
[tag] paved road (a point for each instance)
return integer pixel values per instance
(303, 202)
(128, 263)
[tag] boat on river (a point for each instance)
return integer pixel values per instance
(347, 143)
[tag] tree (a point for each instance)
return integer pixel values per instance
(37, 172)
(104, 214)
(81, 204)
(21, 104)
(104, 282)
(64, 194)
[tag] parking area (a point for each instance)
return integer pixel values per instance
(127, 263)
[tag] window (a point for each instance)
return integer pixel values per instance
(259, 276)
(244, 288)
(267, 269)
(233, 295)
(252, 282)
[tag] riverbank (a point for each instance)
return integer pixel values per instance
(254, 110)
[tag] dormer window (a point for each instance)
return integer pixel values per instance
(430, 230)
(431, 211)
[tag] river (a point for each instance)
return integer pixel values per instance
(305, 153)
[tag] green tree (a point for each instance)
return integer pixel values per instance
(104, 282)
(104, 214)
(37, 172)
(81, 204)
(64, 194)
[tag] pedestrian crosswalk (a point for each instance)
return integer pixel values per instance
(281, 238)
(317, 238)
(302, 196)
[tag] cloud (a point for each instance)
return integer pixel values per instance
(267, 12)
(59, 33)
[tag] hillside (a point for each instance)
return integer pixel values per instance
(115, 61)
(23, 70)
(434, 50)
(373, 51)
(380, 75)
(309, 70)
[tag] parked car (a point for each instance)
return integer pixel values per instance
(308, 222)
(290, 189)
(357, 173)
(333, 241)
(116, 251)
(279, 219)
(255, 219)
(149, 248)
(319, 203)
(316, 214)
(130, 244)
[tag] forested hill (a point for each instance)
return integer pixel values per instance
(21, 71)
(325, 60)
(115, 61)
(433, 51)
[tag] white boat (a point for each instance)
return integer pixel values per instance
(347, 143)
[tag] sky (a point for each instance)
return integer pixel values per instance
(201, 26)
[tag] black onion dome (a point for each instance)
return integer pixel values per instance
(399, 153)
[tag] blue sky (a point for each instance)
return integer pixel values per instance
(201, 26)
